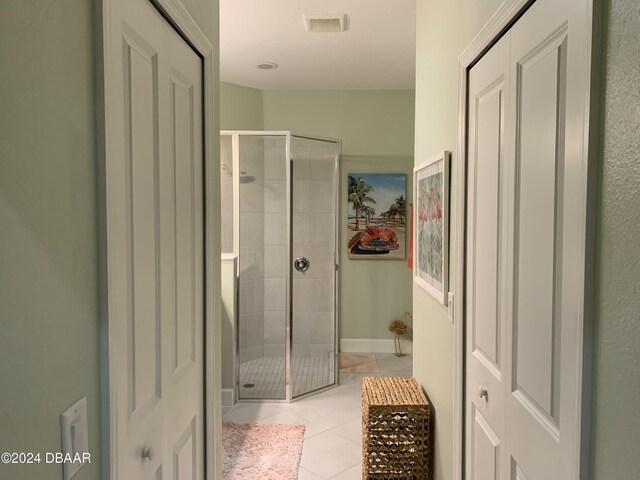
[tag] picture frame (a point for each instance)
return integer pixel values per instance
(377, 216)
(431, 226)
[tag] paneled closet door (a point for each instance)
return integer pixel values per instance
(155, 262)
(526, 242)
(547, 202)
(486, 265)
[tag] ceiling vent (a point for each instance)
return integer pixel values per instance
(326, 22)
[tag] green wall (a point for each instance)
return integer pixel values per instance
(615, 420)
(240, 107)
(48, 260)
(49, 339)
(616, 378)
(372, 292)
(369, 122)
(437, 51)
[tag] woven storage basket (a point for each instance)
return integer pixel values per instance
(396, 417)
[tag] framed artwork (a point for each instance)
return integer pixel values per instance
(431, 226)
(377, 216)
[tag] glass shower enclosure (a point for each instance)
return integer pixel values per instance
(279, 216)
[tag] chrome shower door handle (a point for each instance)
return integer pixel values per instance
(301, 264)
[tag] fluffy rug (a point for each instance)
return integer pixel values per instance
(253, 451)
(357, 363)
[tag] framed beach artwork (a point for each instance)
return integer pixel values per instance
(377, 216)
(431, 226)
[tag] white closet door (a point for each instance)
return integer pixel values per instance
(154, 203)
(547, 236)
(486, 266)
(526, 237)
(184, 257)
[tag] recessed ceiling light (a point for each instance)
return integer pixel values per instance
(267, 66)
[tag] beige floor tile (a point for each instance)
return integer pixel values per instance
(327, 454)
(351, 430)
(253, 412)
(311, 428)
(304, 474)
(354, 473)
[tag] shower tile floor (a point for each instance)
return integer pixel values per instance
(332, 446)
(266, 375)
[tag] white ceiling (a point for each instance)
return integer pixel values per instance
(377, 52)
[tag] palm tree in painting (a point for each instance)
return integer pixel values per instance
(359, 196)
(392, 212)
(397, 209)
(369, 212)
(401, 205)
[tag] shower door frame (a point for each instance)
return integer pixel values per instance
(235, 151)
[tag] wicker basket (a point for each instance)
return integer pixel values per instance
(396, 442)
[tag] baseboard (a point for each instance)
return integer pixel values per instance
(374, 345)
(228, 397)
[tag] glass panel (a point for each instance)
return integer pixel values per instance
(263, 240)
(226, 193)
(314, 239)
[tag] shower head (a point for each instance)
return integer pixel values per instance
(244, 178)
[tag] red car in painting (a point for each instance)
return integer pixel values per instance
(378, 239)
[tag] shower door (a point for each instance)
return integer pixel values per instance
(313, 248)
(286, 221)
(262, 162)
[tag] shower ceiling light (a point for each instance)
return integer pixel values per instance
(267, 66)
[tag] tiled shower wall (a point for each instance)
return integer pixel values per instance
(252, 238)
(275, 241)
(226, 194)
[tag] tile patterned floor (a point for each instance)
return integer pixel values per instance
(266, 374)
(332, 447)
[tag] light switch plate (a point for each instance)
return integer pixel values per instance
(75, 440)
